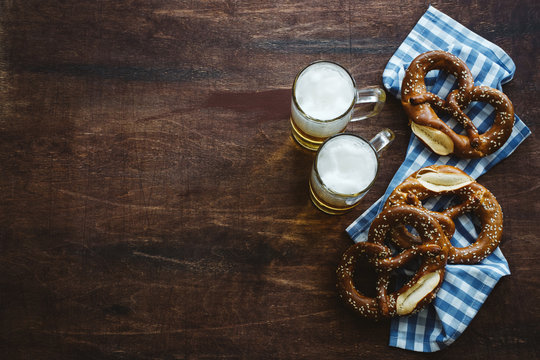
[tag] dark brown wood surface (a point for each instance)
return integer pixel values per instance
(154, 206)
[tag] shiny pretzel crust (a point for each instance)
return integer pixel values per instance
(420, 290)
(420, 106)
(439, 180)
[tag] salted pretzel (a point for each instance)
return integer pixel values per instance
(420, 106)
(420, 289)
(437, 180)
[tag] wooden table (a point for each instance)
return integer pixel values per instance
(154, 206)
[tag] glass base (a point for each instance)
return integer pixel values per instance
(310, 143)
(324, 207)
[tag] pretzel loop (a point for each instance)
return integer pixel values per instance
(420, 289)
(431, 246)
(419, 105)
(437, 180)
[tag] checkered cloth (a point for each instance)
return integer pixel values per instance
(465, 287)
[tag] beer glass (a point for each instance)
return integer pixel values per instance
(344, 170)
(325, 99)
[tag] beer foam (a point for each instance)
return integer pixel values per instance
(347, 165)
(324, 91)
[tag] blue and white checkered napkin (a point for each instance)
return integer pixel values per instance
(465, 287)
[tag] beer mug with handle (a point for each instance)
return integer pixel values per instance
(325, 99)
(344, 169)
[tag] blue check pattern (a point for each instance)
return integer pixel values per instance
(465, 287)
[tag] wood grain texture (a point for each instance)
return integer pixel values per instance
(154, 206)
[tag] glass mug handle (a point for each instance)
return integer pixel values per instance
(381, 141)
(372, 94)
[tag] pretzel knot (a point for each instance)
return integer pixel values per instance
(405, 210)
(420, 106)
(442, 180)
(420, 290)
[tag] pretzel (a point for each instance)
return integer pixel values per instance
(419, 104)
(439, 180)
(420, 289)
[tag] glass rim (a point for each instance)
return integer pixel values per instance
(318, 176)
(315, 119)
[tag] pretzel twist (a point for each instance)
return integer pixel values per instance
(404, 208)
(420, 289)
(420, 106)
(437, 180)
